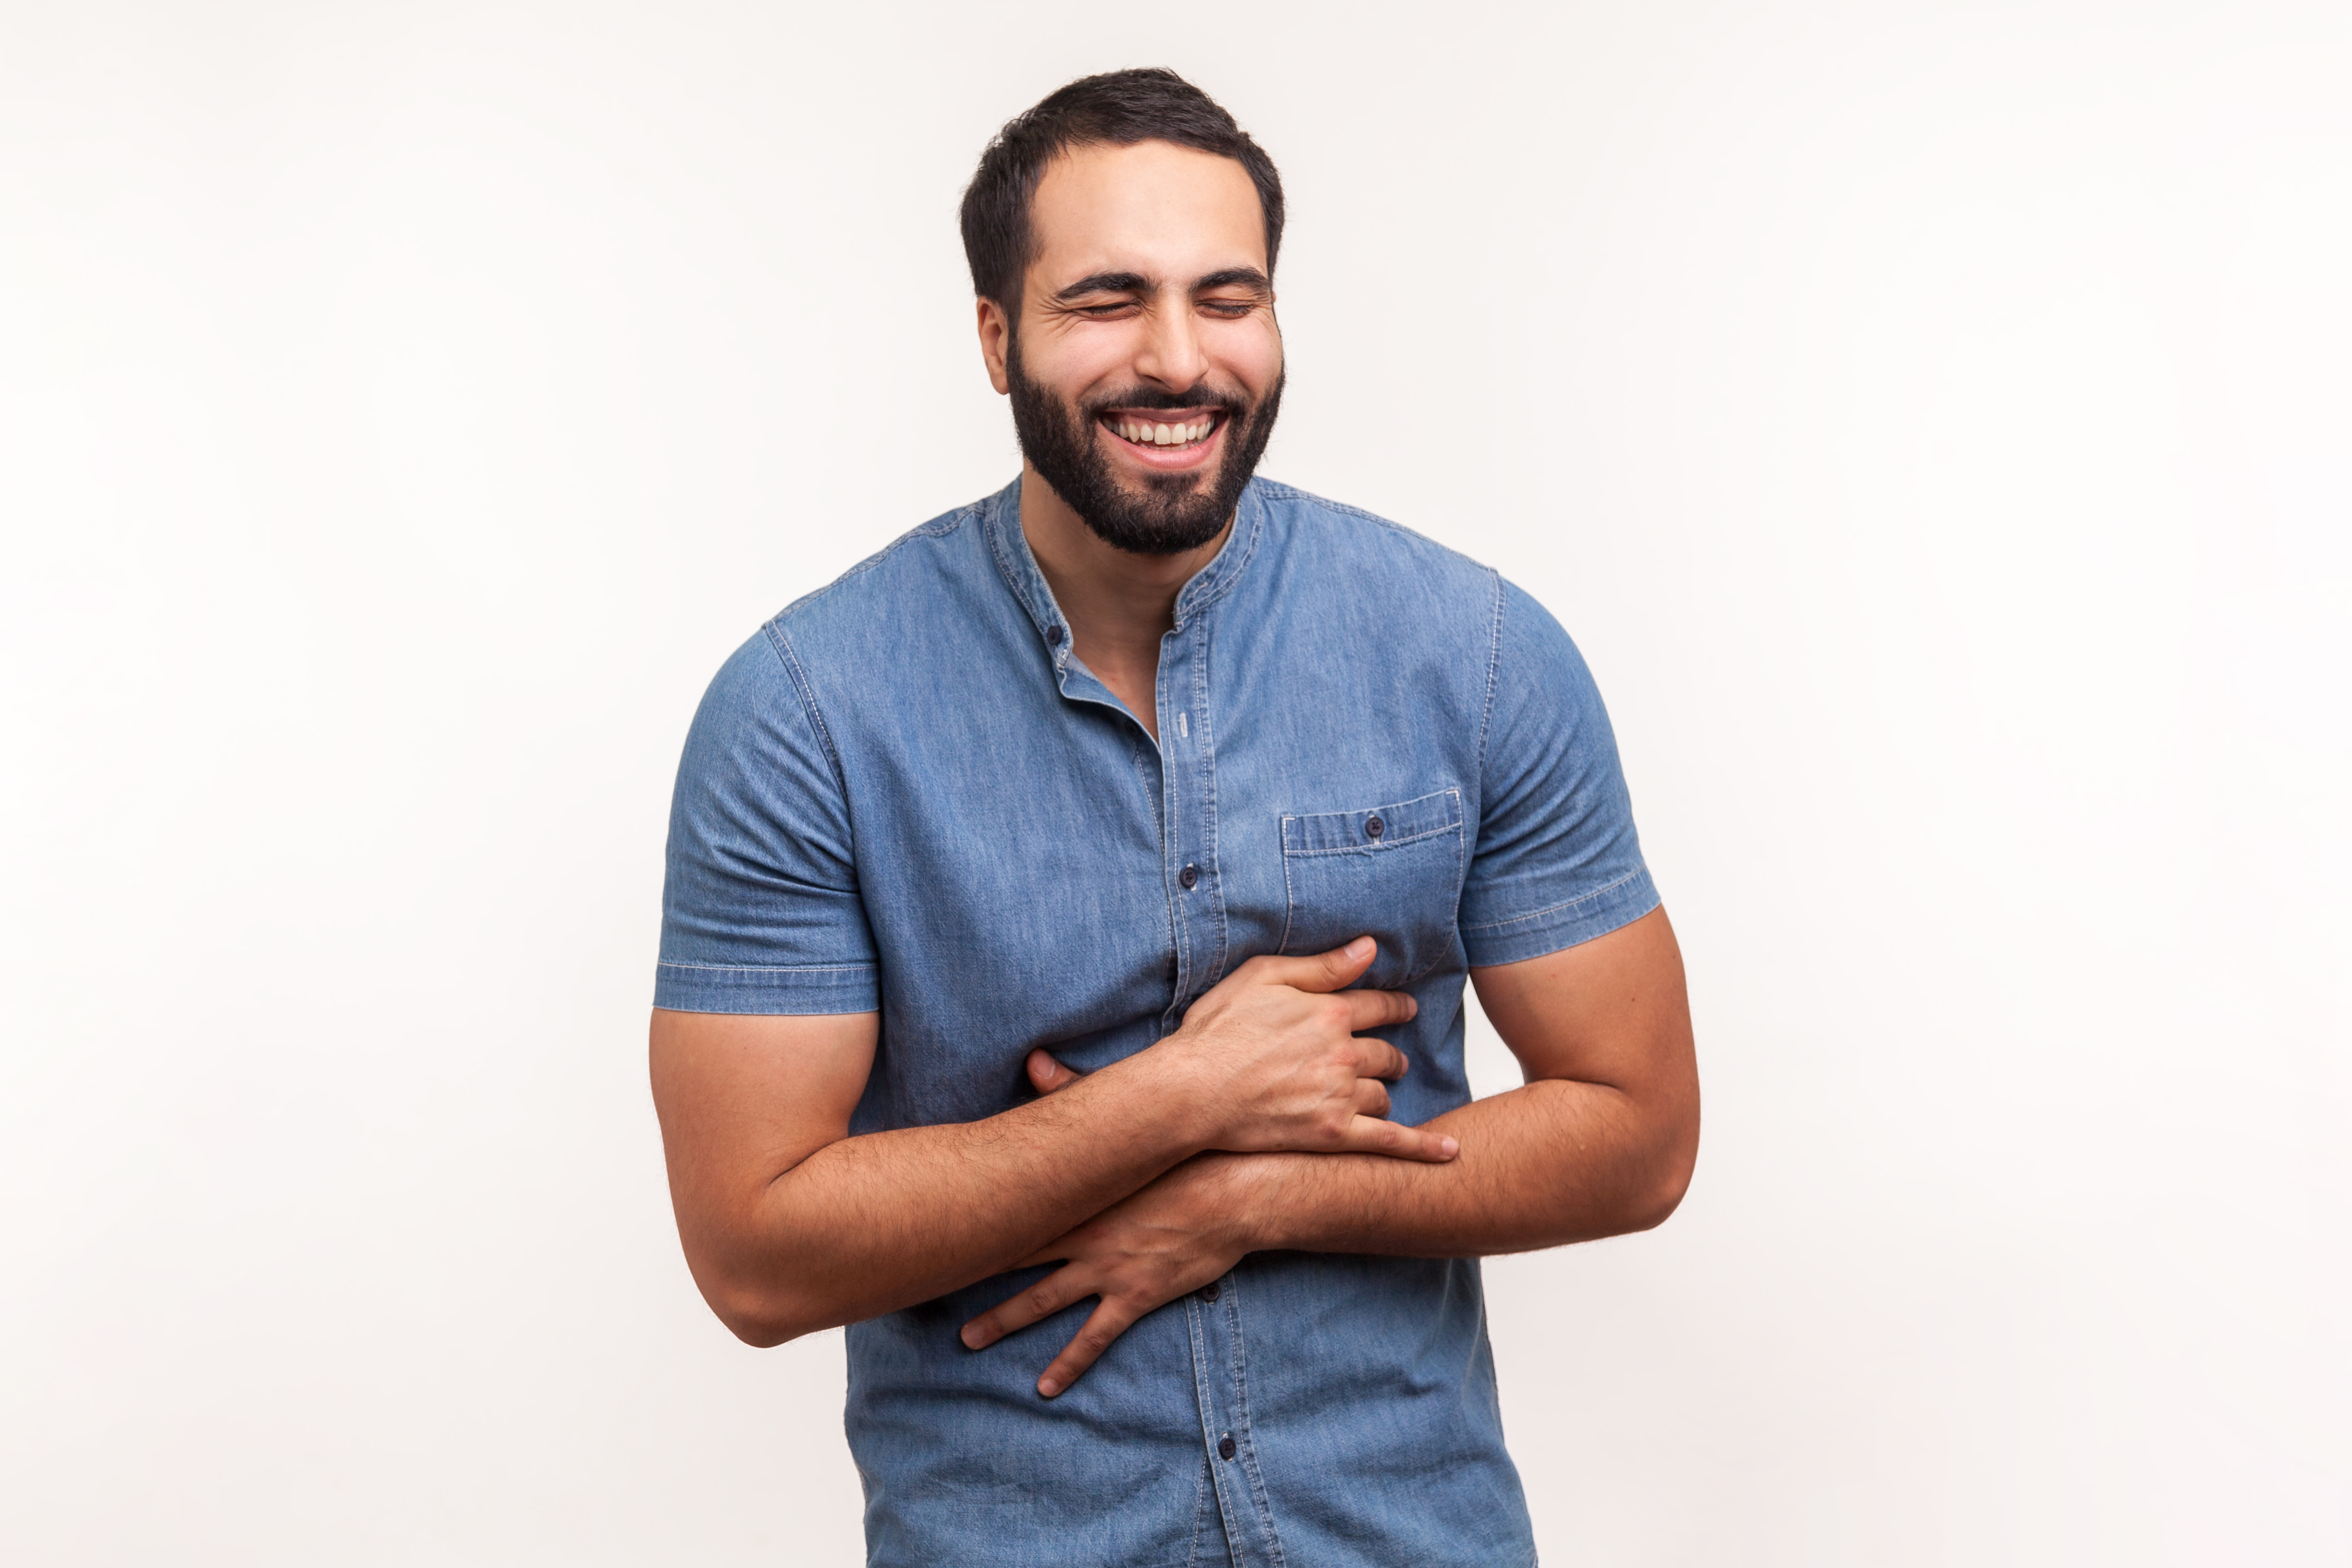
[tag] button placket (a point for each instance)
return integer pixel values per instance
(1189, 843)
(1220, 1376)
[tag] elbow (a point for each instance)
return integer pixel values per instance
(1657, 1202)
(763, 1313)
(761, 1331)
(1668, 1176)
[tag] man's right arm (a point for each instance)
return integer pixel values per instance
(791, 1225)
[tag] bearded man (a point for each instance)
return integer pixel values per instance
(1065, 930)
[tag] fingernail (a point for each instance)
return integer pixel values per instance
(970, 1336)
(1448, 1147)
(1049, 1387)
(1360, 947)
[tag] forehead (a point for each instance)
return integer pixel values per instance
(1164, 211)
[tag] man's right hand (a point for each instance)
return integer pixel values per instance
(1271, 1059)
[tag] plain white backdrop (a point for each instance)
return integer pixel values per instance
(1931, 420)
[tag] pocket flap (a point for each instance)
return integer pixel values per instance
(1373, 827)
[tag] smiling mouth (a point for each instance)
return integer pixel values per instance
(1162, 435)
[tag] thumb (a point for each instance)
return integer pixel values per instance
(1331, 971)
(1049, 1075)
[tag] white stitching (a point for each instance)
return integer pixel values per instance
(1585, 898)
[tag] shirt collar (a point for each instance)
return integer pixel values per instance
(1022, 575)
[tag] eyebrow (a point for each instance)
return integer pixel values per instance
(1247, 277)
(1136, 283)
(1107, 283)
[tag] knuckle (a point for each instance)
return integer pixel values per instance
(1039, 1299)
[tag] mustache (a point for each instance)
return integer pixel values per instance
(1147, 397)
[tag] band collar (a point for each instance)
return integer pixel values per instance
(1018, 563)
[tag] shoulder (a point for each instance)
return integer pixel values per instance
(1349, 536)
(865, 618)
(1377, 570)
(875, 603)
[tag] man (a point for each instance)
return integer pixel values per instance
(1066, 922)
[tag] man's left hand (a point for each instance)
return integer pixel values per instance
(1176, 1235)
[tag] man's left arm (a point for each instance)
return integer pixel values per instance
(1599, 1140)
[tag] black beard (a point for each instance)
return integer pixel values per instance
(1175, 512)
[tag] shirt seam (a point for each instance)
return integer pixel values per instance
(769, 968)
(1385, 843)
(1275, 488)
(786, 655)
(1229, 575)
(1206, 748)
(1494, 667)
(938, 528)
(1631, 876)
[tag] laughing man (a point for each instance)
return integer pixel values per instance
(1066, 927)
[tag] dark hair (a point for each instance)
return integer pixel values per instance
(1117, 108)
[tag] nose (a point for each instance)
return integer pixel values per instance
(1171, 354)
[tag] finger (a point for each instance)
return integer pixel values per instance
(1372, 1097)
(1064, 1249)
(1043, 1299)
(1322, 971)
(1368, 1135)
(1049, 1075)
(1378, 1009)
(1378, 1059)
(1103, 1326)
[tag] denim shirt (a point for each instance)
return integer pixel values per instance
(906, 794)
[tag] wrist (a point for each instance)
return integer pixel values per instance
(1172, 1084)
(1247, 1198)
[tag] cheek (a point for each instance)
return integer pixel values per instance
(1251, 353)
(1075, 363)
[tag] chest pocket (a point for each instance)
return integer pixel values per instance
(1392, 872)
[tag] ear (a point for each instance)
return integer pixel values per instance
(1048, 1075)
(995, 338)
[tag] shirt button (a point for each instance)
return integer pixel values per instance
(1189, 875)
(1374, 828)
(1053, 637)
(1226, 1446)
(1209, 1292)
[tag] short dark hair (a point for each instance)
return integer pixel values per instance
(1118, 108)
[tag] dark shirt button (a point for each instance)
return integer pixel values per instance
(1374, 828)
(1226, 1446)
(1208, 1292)
(1189, 875)
(1053, 637)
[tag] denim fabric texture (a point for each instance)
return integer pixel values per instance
(906, 794)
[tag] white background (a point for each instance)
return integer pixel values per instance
(1931, 421)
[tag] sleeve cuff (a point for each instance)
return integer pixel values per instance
(1581, 919)
(728, 988)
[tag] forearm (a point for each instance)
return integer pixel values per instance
(875, 1223)
(1553, 1161)
(791, 1225)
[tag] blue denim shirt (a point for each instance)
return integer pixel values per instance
(905, 793)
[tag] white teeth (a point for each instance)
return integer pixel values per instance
(1148, 434)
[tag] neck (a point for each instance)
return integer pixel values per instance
(1118, 604)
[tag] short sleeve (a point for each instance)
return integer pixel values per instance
(759, 906)
(1556, 860)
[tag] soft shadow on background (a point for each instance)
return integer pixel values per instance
(1930, 420)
